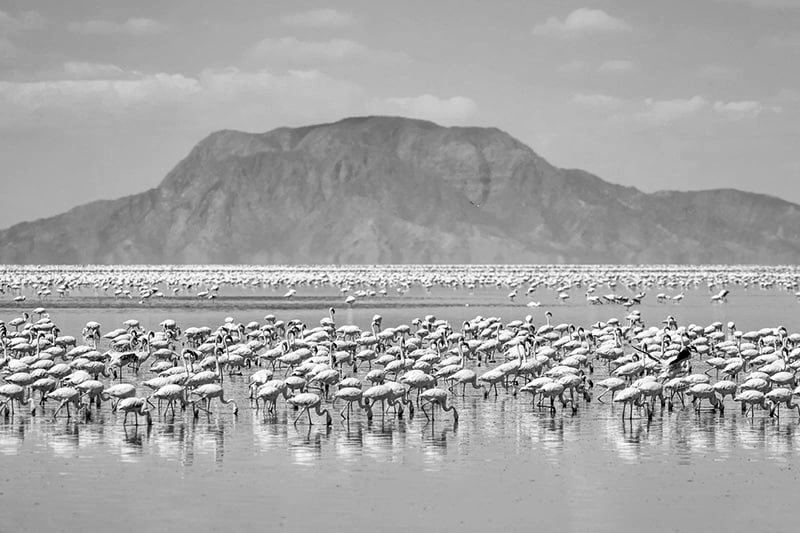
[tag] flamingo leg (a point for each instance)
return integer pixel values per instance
(298, 416)
(200, 408)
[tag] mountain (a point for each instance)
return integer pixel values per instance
(396, 190)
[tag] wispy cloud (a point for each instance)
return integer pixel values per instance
(84, 70)
(663, 111)
(596, 100)
(455, 110)
(294, 50)
(132, 26)
(318, 18)
(743, 109)
(24, 21)
(616, 66)
(213, 98)
(580, 22)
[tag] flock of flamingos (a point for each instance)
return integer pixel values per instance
(327, 369)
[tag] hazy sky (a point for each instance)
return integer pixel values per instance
(102, 99)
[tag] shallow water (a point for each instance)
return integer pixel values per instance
(506, 464)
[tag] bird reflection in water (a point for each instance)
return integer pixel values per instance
(174, 440)
(210, 437)
(65, 438)
(548, 432)
(434, 442)
(305, 445)
(12, 434)
(383, 438)
(783, 442)
(132, 442)
(271, 435)
(350, 442)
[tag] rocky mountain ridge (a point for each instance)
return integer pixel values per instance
(395, 190)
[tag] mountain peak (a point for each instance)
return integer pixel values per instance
(379, 189)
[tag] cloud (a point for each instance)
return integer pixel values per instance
(132, 26)
(455, 110)
(91, 71)
(596, 100)
(212, 99)
(293, 50)
(743, 109)
(581, 21)
(616, 66)
(25, 21)
(318, 18)
(105, 95)
(663, 111)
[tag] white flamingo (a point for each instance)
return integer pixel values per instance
(137, 406)
(306, 401)
(437, 396)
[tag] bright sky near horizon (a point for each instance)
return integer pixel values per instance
(102, 99)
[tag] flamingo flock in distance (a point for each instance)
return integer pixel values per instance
(600, 284)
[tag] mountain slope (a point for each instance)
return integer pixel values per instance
(395, 190)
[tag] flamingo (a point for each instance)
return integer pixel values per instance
(779, 396)
(534, 386)
(417, 379)
(351, 395)
(137, 406)
(611, 385)
(701, 391)
(492, 378)
(120, 392)
(752, 398)
(13, 392)
(555, 390)
(307, 401)
(171, 392)
(269, 392)
(66, 396)
(378, 393)
(208, 392)
(629, 396)
(438, 397)
(258, 378)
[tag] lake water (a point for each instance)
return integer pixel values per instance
(506, 465)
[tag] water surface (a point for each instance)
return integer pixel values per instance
(506, 464)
